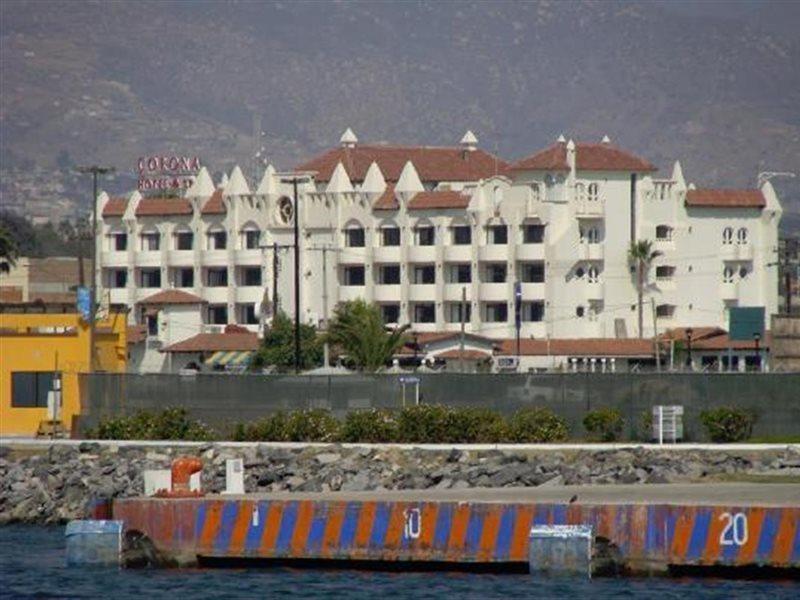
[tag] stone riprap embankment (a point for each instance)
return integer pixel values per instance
(54, 484)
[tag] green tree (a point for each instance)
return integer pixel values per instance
(277, 347)
(359, 331)
(641, 255)
(9, 251)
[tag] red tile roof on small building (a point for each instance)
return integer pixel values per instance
(214, 205)
(589, 157)
(723, 342)
(433, 163)
(172, 297)
(435, 200)
(469, 354)
(158, 207)
(215, 342)
(387, 200)
(115, 207)
(720, 198)
(579, 347)
(136, 334)
(698, 333)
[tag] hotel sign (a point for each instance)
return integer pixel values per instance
(166, 172)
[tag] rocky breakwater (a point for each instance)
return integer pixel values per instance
(48, 485)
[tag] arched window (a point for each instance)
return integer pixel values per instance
(593, 274)
(593, 235)
(183, 238)
(727, 275)
(580, 192)
(217, 238)
(251, 236)
(741, 236)
(743, 272)
(579, 273)
(390, 234)
(151, 240)
(354, 236)
(727, 235)
(424, 233)
(592, 192)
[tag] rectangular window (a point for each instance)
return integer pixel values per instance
(355, 237)
(424, 274)
(217, 314)
(184, 277)
(426, 236)
(29, 389)
(117, 278)
(424, 313)
(150, 278)
(665, 311)
(454, 310)
(120, 242)
(251, 276)
(462, 235)
(389, 275)
(533, 234)
(390, 236)
(247, 314)
(217, 240)
(184, 240)
(496, 312)
(217, 277)
(495, 273)
(532, 272)
(497, 234)
(460, 273)
(353, 275)
(532, 311)
(390, 313)
(252, 237)
(152, 324)
(150, 242)
(664, 273)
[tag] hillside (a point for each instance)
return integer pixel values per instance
(96, 81)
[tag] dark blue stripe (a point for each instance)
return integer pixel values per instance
(317, 531)
(795, 558)
(769, 530)
(697, 542)
(730, 552)
(560, 514)
(443, 524)
(380, 523)
(505, 531)
(654, 532)
(472, 541)
(286, 531)
(252, 541)
(349, 525)
(230, 510)
(540, 514)
(200, 520)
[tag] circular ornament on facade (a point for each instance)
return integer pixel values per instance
(285, 210)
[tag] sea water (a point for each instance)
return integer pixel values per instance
(32, 565)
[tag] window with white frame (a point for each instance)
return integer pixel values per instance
(580, 192)
(593, 274)
(495, 312)
(665, 311)
(217, 277)
(592, 192)
(217, 314)
(389, 274)
(390, 235)
(150, 278)
(354, 237)
(727, 235)
(353, 275)
(424, 275)
(532, 233)
(665, 272)
(184, 240)
(184, 277)
(119, 241)
(454, 311)
(743, 272)
(250, 276)
(150, 241)
(495, 273)
(217, 239)
(497, 234)
(727, 275)
(531, 272)
(462, 235)
(424, 235)
(251, 238)
(459, 273)
(424, 312)
(589, 235)
(247, 314)
(532, 311)
(663, 233)
(390, 313)
(117, 278)
(741, 236)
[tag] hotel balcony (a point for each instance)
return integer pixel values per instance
(729, 290)
(452, 291)
(590, 209)
(180, 258)
(215, 258)
(114, 259)
(148, 258)
(248, 256)
(421, 254)
(494, 292)
(352, 292)
(460, 253)
(530, 252)
(117, 295)
(533, 291)
(736, 252)
(594, 291)
(493, 253)
(421, 292)
(588, 251)
(386, 292)
(215, 295)
(386, 254)
(250, 294)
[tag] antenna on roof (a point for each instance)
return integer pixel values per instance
(605, 140)
(561, 139)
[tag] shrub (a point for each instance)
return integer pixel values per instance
(313, 425)
(475, 426)
(423, 423)
(369, 426)
(169, 424)
(726, 424)
(536, 425)
(604, 424)
(268, 429)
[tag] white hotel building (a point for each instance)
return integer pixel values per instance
(415, 228)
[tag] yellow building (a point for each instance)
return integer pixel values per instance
(40, 344)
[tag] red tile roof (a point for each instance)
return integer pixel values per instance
(443, 199)
(698, 333)
(115, 207)
(579, 347)
(150, 207)
(172, 297)
(723, 342)
(432, 163)
(468, 355)
(136, 334)
(387, 201)
(215, 342)
(726, 198)
(589, 157)
(214, 205)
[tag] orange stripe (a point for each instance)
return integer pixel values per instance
(782, 548)
(305, 513)
(522, 532)
(271, 528)
(638, 529)
(394, 531)
(333, 527)
(430, 511)
(240, 527)
(605, 520)
(211, 525)
(683, 533)
(715, 527)
(491, 522)
(458, 531)
(364, 527)
(755, 520)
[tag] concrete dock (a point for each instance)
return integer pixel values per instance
(641, 529)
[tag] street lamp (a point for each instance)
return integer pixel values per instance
(757, 339)
(689, 332)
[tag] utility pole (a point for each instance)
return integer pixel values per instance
(784, 262)
(95, 170)
(325, 286)
(655, 334)
(463, 324)
(275, 269)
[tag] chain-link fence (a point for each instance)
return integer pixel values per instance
(222, 401)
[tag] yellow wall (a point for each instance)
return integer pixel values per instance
(25, 345)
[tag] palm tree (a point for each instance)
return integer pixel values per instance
(641, 255)
(358, 329)
(9, 251)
